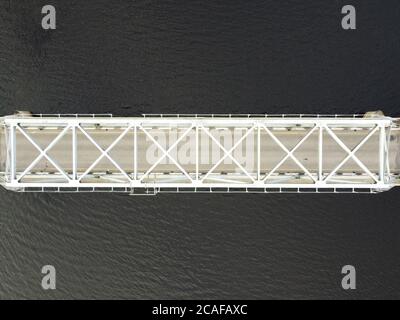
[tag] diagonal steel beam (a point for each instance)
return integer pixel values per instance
(351, 153)
(166, 153)
(43, 153)
(289, 154)
(227, 180)
(228, 153)
(104, 153)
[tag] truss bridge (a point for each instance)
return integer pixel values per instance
(199, 153)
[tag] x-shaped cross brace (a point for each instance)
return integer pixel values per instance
(166, 153)
(289, 154)
(43, 152)
(351, 153)
(228, 153)
(104, 153)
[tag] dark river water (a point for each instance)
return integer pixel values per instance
(131, 57)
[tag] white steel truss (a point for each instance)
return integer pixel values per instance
(307, 132)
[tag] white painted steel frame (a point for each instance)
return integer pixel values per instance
(253, 125)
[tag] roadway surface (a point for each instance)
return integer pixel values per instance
(246, 153)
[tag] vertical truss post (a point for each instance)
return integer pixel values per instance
(388, 134)
(382, 154)
(135, 153)
(258, 152)
(12, 153)
(197, 153)
(7, 163)
(74, 154)
(320, 153)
